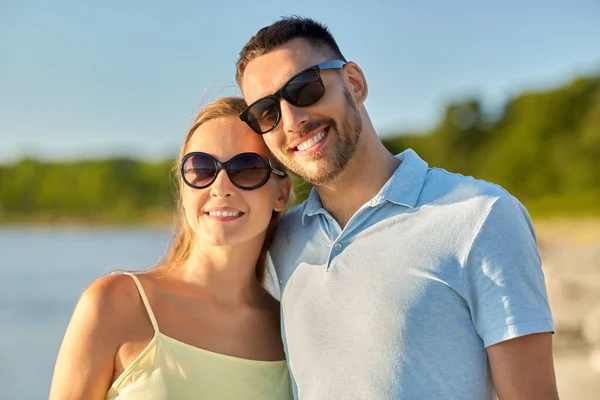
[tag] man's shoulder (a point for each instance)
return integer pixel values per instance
(290, 239)
(462, 200)
(468, 201)
(293, 215)
(442, 185)
(291, 224)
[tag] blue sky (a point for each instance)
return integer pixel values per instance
(81, 79)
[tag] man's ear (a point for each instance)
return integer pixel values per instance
(356, 82)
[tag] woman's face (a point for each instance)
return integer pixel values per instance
(223, 214)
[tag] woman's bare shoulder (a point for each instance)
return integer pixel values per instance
(104, 316)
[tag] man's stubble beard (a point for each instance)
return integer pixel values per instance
(348, 142)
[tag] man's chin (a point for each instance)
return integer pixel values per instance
(319, 177)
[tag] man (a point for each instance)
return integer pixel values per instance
(398, 281)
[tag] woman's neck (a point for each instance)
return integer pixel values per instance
(226, 272)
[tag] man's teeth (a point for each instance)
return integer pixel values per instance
(312, 141)
(224, 213)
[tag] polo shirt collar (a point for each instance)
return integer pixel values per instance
(403, 187)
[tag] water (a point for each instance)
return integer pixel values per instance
(42, 274)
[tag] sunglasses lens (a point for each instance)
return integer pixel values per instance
(199, 170)
(305, 89)
(263, 115)
(302, 91)
(248, 171)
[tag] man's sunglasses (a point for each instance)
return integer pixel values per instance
(247, 171)
(302, 90)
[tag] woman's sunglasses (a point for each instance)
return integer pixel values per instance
(302, 90)
(247, 171)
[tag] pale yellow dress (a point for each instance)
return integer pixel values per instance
(170, 369)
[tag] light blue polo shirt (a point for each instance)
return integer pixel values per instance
(403, 301)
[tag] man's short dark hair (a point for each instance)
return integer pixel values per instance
(281, 32)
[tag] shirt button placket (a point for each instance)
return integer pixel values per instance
(337, 248)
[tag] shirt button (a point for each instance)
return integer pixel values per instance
(338, 247)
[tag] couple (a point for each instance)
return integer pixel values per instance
(396, 280)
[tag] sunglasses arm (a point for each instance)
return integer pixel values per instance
(278, 172)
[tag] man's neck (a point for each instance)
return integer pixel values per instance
(364, 176)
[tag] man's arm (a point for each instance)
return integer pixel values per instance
(523, 368)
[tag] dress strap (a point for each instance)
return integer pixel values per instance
(145, 300)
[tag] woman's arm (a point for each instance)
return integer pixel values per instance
(85, 363)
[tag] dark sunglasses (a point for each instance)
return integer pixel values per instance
(247, 171)
(302, 90)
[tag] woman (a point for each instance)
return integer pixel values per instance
(200, 325)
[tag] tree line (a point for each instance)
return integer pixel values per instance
(543, 147)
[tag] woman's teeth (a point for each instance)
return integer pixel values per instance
(224, 213)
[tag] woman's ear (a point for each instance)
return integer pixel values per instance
(283, 194)
(357, 83)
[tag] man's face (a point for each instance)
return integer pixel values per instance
(314, 142)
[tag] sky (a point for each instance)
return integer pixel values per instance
(82, 79)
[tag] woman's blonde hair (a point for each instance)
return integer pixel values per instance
(184, 235)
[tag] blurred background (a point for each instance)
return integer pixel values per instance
(96, 98)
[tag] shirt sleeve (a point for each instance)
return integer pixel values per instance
(503, 278)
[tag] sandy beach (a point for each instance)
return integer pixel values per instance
(571, 260)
